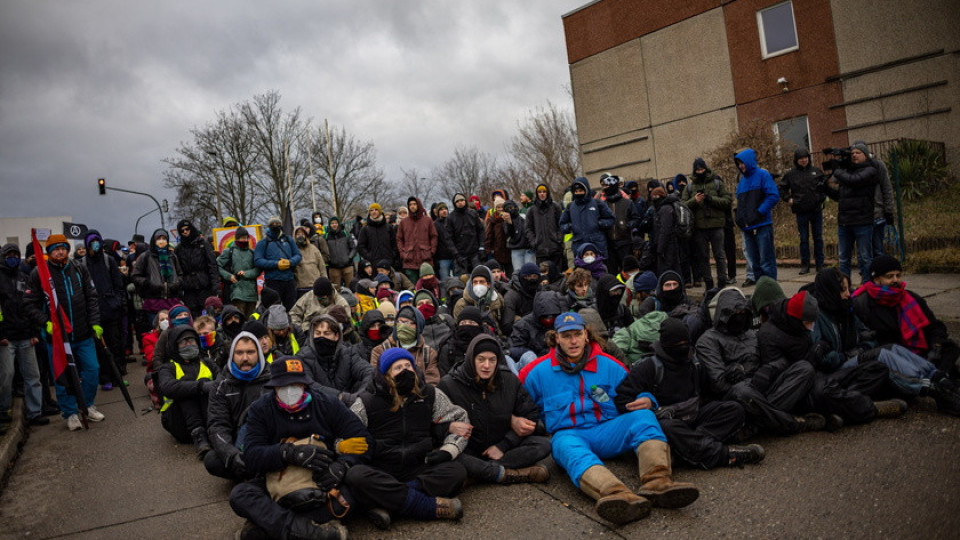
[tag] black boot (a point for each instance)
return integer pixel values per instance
(305, 528)
(743, 455)
(804, 268)
(200, 441)
(944, 392)
(811, 422)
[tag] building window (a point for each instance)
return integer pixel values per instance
(778, 30)
(794, 132)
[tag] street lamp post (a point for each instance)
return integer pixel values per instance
(103, 191)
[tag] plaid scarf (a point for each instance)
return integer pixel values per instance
(166, 269)
(909, 314)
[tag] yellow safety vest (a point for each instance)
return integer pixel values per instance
(293, 342)
(204, 373)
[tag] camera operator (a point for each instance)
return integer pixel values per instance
(857, 178)
(799, 188)
(883, 204)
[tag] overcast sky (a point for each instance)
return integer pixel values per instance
(93, 89)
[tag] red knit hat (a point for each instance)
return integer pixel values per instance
(803, 306)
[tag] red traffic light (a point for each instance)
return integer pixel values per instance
(102, 184)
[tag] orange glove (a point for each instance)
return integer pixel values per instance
(283, 264)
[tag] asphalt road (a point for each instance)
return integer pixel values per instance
(127, 478)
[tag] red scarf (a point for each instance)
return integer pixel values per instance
(909, 314)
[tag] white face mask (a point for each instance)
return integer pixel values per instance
(480, 290)
(164, 324)
(589, 259)
(290, 395)
(318, 221)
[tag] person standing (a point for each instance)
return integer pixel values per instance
(799, 188)
(467, 232)
(77, 296)
(111, 290)
(157, 275)
(377, 240)
(416, 239)
(543, 228)
(236, 267)
(587, 218)
(312, 263)
(277, 256)
(709, 202)
(199, 265)
(757, 194)
(857, 183)
(447, 252)
(343, 248)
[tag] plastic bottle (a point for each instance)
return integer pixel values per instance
(599, 394)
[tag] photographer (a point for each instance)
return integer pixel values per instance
(799, 188)
(856, 179)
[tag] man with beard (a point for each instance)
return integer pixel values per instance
(199, 265)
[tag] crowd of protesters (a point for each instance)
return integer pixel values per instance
(387, 360)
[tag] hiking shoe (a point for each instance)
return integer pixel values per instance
(94, 415)
(379, 517)
(106, 387)
(891, 408)
(449, 508)
(38, 421)
(49, 410)
(73, 423)
(811, 422)
(833, 422)
(745, 455)
(538, 474)
(748, 283)
(304, 528)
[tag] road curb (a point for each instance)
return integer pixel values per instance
(11, 440)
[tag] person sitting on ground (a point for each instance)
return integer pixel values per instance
(502, 447)
(299, 445)
(316, 302)
(210, 343)
(580, 291)
(551, 277)
(384, 292)
(609, 293)
(285, 340)
(408, 334)
(672, 299)
(518, 301)
(178, 315)
(240, 384)
(398, 279)
(590, 259)
(213, 306)
(335, 364)
(373, 331)
(481, 293)
(231, 324)
(469, 325)
(437, 327)
(766, 293)
(575, 385)
(636, 340)
(184, 383)
(697, 431)
(644, 286)
(428, 280)
(415, 473)
(527, 341)
(404, 298)
(149, 342)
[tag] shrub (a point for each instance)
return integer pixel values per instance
(922, 167)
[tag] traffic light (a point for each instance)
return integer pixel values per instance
(102, 184)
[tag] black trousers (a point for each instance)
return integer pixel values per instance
(707, 240)
(113, 337)
(772, 410)
(730, 250)
(848, 392)
(183, 416)
(251, 500)
(531, 450)
(376, 488)
(287, 291)
(194, 299)
(700, 442)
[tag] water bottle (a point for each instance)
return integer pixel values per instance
(599, 394)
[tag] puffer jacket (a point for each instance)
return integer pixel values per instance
(75, 293)
(146, 273)
(528, 334)
(378, 241)
(270, 250)
(198, 262)
(727, 358)
(517, 303)
(343, 248)
(542, 227)
(416, 238)
(345, 371)
(783, 341)
(489, 406)
(15, 324)
(636, 340)
(466, 230)
(757, 194)
(855, 194)
(800, 184)
(106, 276)
(495, 239)
(587, 219)
(446, 247)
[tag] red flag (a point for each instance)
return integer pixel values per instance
(64, 368)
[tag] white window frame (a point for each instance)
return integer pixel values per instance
(806, 120)
(763, 40)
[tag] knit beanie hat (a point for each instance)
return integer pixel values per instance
(392, 355)
(883, 264)
(277, 318)
(55, 240)
(375, 206)
(322, 287)
(256, 328)
(645, 282)
(529, 269)
(471, 313)
(269, 297)
(658, 192)
(426, 269)
(861, 147)
(528, 193)
(487, 344)
(213, 302)
(458, 197)
(673, 332)
(803, 306)
(630, 263)
(766, 292)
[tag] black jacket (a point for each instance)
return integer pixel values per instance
(378, 241)
(678, 382)
(228, 406)
(188, 386)
(528, 334)
(75, 293)
(884, 321)
(516, 303)
(783, 341)
(800, 184)
(403, 438)
(542, 227)
(855, 194)
(466, 230)
(15, 325)
(446, 247)
(111, 290)
(489, 406)
(146, 273)
(345, 371)
(198, 263)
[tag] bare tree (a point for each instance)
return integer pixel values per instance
(348, 178)
(414, 184)
(469, 171)
(546, 150)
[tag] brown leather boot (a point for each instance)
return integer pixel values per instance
(449, 508)
(538, 474)
(615, 502)
(653, 457)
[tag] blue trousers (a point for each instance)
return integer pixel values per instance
(85, 356)
(578, 449)
(444, 266)
(862, 235)
(22, 352)
(758, 247)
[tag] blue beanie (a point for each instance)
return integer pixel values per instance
(178, 310)
(647, 281)
(529, 269)
(391, 355)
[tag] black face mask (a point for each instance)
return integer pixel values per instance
(739, 323)
(672, 297)
(406, 380)
(276, 230)
(530, 285)
(467, 333)
(579, 196)
(679, 353)
(233, 328)
(324, 346)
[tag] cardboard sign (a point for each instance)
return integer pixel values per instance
(223, 236)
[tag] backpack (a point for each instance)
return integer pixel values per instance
(683, 220)
(686, 410)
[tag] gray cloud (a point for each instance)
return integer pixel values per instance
(109, 89)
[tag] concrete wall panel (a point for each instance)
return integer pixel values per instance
(679, 143)
(609, 93)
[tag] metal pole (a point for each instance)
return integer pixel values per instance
(162, 222)
(137, 226)
(896, 181)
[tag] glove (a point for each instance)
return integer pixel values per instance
(353, 445)
(735, 374)
(820, 349)
(205, 387)
(283, 264)
(437, 456)
(236, 465)
(332, 478)
(306, 456)
(98, 330)
(888, 218)
(49, 328)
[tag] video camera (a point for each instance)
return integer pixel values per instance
(840, 159)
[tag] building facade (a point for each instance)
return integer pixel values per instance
(657, 83)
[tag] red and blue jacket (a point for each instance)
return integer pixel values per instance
(566, 400)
